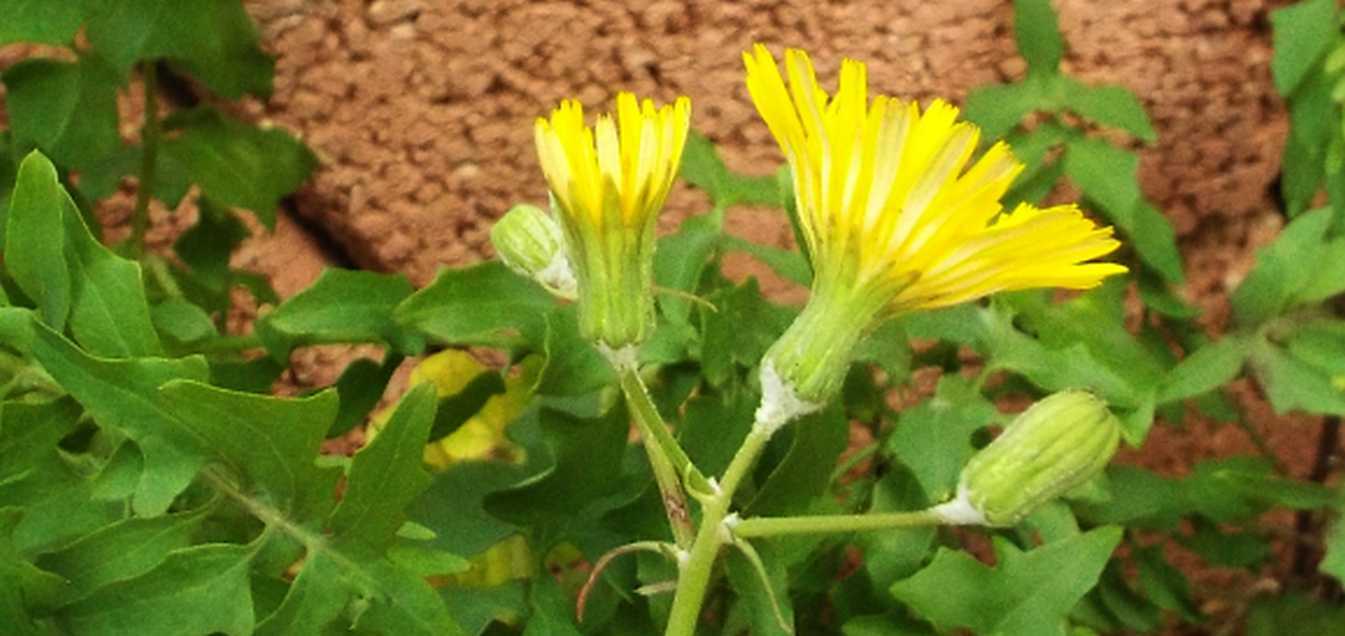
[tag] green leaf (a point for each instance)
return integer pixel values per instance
(573, 365)
(386, 475)
(121, 551)
(314, 602)
(789, 264)
(739, 331)
(485, 304)
(1283, 268)
(454, 410)
(109, 314)
(1164, 584)
(123, 394)
(1204, 370)
(1313, 117)
(805, 471)
(1109, 105)
(1027, 593)
(1109, 176)
(1303, 33)
(1293, 614)
(236, 164)
(206, 249)
(998, 108)
(197, 590)
(103, 177)
(702, 167)
(182, 321)
(1038, 33)
(360, 387)
(1292, 384)
(270, 442)
(24, 589)
(933, 439)
(68, 110)
(1333, 562)
(341, 306)
(214, 41)
(35, 239)
(895, 554)
(681, 258)
(41, 21)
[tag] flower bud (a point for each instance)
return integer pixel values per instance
(529, 242)
(1055, 445)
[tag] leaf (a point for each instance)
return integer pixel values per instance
(1204, 370)
(1165, 585)
(1027, 593)
(41, 21)
(1292, 384)
(109, 314)
(999, 108)
(360, 388)
(1293, 614)
(681, 258)
(1038, 33)
(237, 165)
(121, 551)
(703, 168)
(313, 602)
(740, 331)
(68, 110)
(1333, 562)
(1303, 33)
(1109, 105)
(214, 41)
(182, 322)
(341, 306)
(1109, 176)
(386, 475)
(35, 239)
(197, 590)
(895, 554)
(270, 442)
(485, 304)
(789, 264)
(933, 439)
(1312, 118)
(573, 365)
(1283, 268)
(123, 394)
(103, 176)
(805, 471)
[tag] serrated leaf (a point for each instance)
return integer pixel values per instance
(484, 304)
(573, 365)
(998, 108)
(314, 601)
(67, 109)
(197, 590)
(214, 41)
(1282, 269)
(182, 321)
(1204, 370)
(119, 552)
(1109, 105)
(1027, 593)
(123, 394)
(1303, 33)
(1038, 33)
(236, 164)
(740, 330)
(386, 475)
(35, 239)
(341, 306)
(41, 21)
(895, 554)
(270, 442)
(206, 249)
(360, 387)
(933, 440)
(1292, 384)
(102, 177)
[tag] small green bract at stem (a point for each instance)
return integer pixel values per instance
(1058, 443)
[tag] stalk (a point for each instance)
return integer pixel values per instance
(149, 142)
(657, 439)
(833, 524)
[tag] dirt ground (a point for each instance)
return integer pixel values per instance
(421, 112)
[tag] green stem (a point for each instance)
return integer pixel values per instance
(149, 143)
(693, 580)
(833, 524)
(657, 442)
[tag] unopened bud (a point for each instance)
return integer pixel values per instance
(529, 242)
(1055, 445)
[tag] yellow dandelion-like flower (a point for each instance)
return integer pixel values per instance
(608, 183)
(897, 216)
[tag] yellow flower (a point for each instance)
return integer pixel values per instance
(883, 197)
(897, 217)
(608, 184)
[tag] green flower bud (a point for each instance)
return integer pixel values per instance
(530, 242)
(1057, 444)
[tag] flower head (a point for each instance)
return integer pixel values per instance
(897, 217)
(608, 183)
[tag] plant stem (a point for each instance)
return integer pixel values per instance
(149, 144)
(652, 431)
(833, 524)
(693, 580)
(1328, 444)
